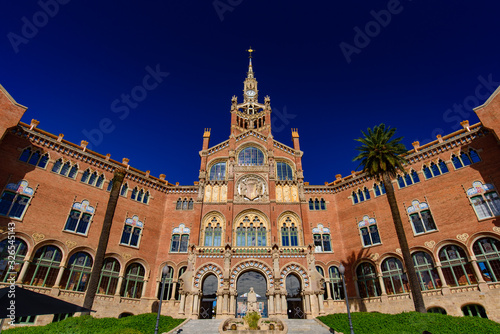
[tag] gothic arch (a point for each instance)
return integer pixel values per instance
(254, 265)
(252, 217)
(255, 144)
(213, 218)
(208, 268)
(298, 270)
(287, 218)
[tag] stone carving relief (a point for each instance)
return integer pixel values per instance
(38, 237)
(215, 193)
(70, 244)
(287, 193)
(430, 244)
(463, 237)
(251, 188)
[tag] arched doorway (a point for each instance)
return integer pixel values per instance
(294, 297)
(257, 281)
(209, 297)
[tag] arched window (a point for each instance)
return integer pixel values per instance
(185, 204)
(322, 272)
(437, 309)
(407, 179)
(218, 172)
(124, 189)
(178, 205)
(335, 282)
(133, 281)
(110, 186)
(65, 168)
(79, 218)
(316, 204)
(289, 233)
(474, 157)
(15, 199)
(57, 166)
(487, 252)
(367, 280)
(77, 273)
(73, 171)
(34, 158)
(394, 277)
(426, 271)
(457, 270)
(178, 286)
(251, 156)
(180, 239)
(379, 189)
(134, 194)
(100, 181)
(474, 310)
(85, 176)
(321, 239)
(369, 231)
(169, 281)
(284, 171)
(322, 204)
(311, 204)
(145, 200)
(457, 163)
(108, 280)
(484, 199)
(132, 231)
(251, 232)
(190, 204)
(355, 198)
(44, 268)
(421, 217)
(16, 248)
(213, 233)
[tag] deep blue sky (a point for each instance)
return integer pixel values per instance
(428, 58)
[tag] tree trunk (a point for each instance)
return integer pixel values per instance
(103, 239)
(416, 292)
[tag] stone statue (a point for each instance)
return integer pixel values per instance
(252, 301)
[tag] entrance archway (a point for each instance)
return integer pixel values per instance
(257, 281)
(294, 298)
(209, 297)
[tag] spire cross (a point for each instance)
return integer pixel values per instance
(250, 52)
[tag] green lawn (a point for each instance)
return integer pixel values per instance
(409, 323)
(138, 324)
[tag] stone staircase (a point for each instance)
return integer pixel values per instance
(211, 326)
(200, 326)
(300, 326)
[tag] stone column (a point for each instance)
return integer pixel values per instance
(382, 285)
(270, 302)
(441, 276)
(143, 292)
(320, 302)
(59, 276)
(182, 304)
(119, 285)
(482, 285)
(225, 303)
(194, 311)
(277, 301)
(174, 286)
(314, 304)
(308, 303)
(22, 273)
(284, 308)
(232, 303)
(329, 291)
(218, 305)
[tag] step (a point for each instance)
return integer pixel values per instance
(201, 326)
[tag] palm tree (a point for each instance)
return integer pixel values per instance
(381, 157)
(95, 275)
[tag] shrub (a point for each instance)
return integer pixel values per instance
(409, 323)
(252, 319)
(138, 324)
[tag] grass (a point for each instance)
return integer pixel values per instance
(409, 323)
(138, 324)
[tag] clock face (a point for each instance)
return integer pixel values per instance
(250, 92)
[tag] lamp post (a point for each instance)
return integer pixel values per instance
(342, 271)
(164, 274)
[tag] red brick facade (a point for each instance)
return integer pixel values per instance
(247, 184)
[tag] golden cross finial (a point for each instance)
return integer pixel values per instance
(250, 52)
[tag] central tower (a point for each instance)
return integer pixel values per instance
(250, 115)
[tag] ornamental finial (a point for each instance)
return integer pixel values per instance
(250, 52)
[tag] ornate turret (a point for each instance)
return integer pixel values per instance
(250, 115)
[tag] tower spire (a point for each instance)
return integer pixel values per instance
(250, 67)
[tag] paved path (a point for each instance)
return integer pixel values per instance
(295, 326)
